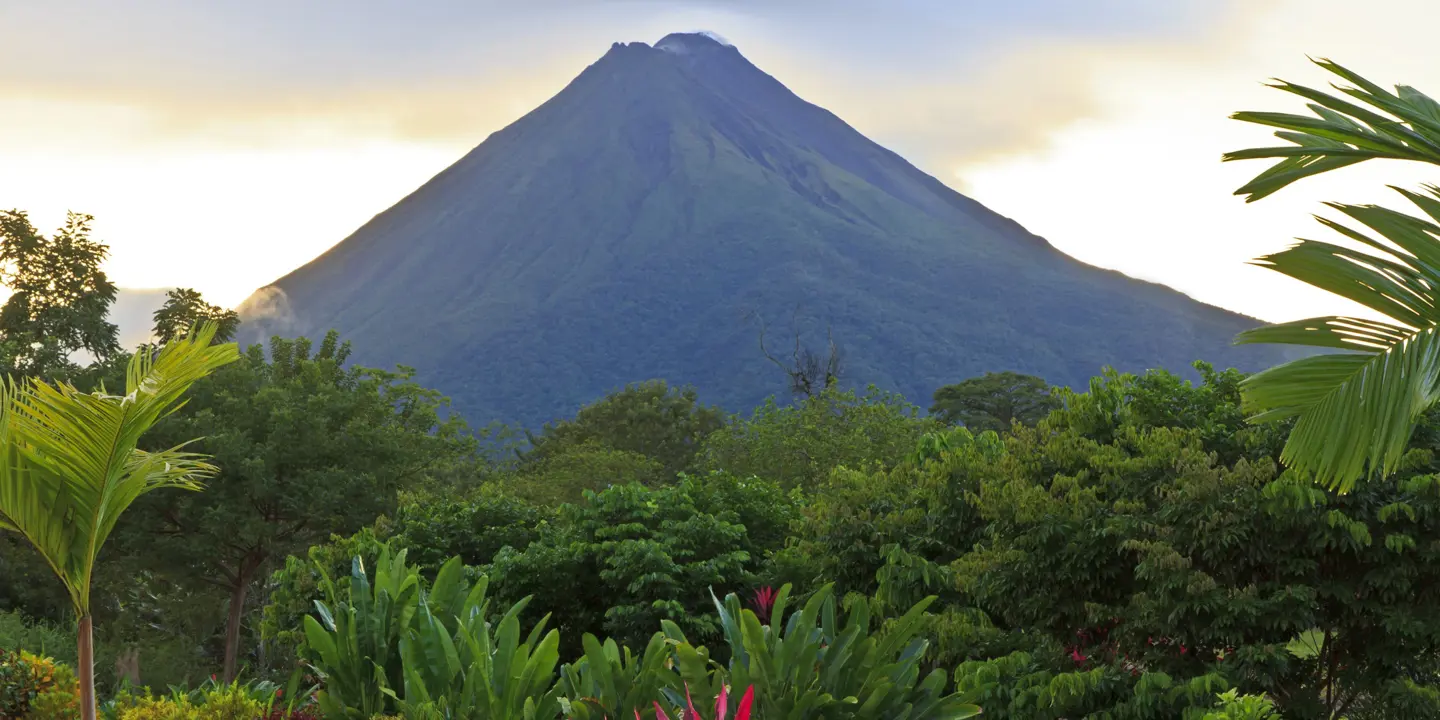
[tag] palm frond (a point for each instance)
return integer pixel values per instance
(1355, 410)
(1400, 125)
(72, 464)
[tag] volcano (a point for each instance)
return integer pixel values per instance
(637, 225)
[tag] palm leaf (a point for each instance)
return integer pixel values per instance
(71, 465)
(1400, 125)
(1355, 410)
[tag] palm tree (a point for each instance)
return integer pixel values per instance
(71, 466)
(1356, 409)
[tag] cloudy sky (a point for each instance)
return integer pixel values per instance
(220, 144)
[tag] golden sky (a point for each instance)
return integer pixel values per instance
(222, 144)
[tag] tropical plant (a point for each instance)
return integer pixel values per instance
(610, 681)
(184, 308)
(816, 667)
(1243, 707)
(354, 647)
(71, 466)
(1354, 410)
(457, 664)
(59, 698)
(721, 705)
(308, 446)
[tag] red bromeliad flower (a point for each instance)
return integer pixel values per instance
(764, 601)
(721, 705)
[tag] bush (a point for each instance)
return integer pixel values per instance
(210, 701)
(41, 638)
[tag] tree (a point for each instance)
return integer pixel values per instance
(72, 465)
(1140, 551)
(564, 476)
(185, 308)
(650, 419)
(307, 447)
(810, 373)
(800, 444)
(630, 556)
(994, 401)
(1354, 410)
(60, 296)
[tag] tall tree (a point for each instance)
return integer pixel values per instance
(1354, 410)
(60, 296)
(994, 401)
(307, 447)
(185, 308)
(72, 465)
(650, 419)
(810, 373)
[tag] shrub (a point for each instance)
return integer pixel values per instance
(30, 684)
(41, 638)
(814, 664)
(59, 699)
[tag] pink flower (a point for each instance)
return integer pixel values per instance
(764, 601)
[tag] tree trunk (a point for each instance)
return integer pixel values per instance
(86, 670)
(237, 613)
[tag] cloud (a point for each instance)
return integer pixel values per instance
(973, 77)
(268, 311)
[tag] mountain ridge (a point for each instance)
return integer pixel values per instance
(669, 189)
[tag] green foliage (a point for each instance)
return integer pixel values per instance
(610, 681)
(428, 650)
(650, 420)
(41, 638)
(60, 297)
(564, 473)
(882, 532)
(216, 702)
(59, 698)
(994, 401)
(798, 445)
(459, 665)
(814, 664)
(630, 556)
(294, 588)
(1034, 687)
(185, 308)
(308, 447)
(1243, 707)
(19, 684)
(36, 687)
(1135, 548)
(354, 646)
(1354, 410)
(1342, 133)
(474, 526)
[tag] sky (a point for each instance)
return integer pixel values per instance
(219, 145)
